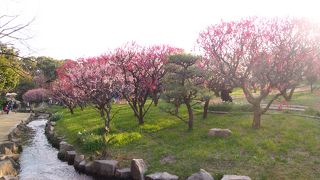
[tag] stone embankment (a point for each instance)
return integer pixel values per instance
(10, 150)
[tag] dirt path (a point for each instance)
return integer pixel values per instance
(9, 122)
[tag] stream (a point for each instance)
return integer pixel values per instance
(38, 159)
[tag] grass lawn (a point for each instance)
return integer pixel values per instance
(286, 147)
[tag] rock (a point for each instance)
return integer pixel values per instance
(8, 148)
(219, 132)
(70, 155)
(124, 173)
(9, 178)
(64, 146)
(138, 168)
(161, 176)
(201, 175)
(15, 157)
(8, 167)
(89, 167)
(53, 123)
(235, 177)
(105, 167)
(62, 155)
(77, 159)
(82, 166)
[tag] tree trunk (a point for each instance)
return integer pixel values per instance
(205, 109)
(140, 116)
(176, 110)
(81, 107)
(107, 122)
(71, 110)
(256, 117)
(155, 99)
(287, 96)
(311, 87)
(190, 113)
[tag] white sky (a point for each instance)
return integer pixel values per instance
(77, 28)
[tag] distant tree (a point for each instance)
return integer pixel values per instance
(36, 95)
(23, 86)
(183, 83)
(45, 71)
(312, 70)
(142, 71)
(256, 53)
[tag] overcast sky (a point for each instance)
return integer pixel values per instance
(77, 28)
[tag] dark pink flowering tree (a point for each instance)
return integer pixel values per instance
(36, 95)
(256, 53)
(64, 93)
(99, 81)
(142, 69)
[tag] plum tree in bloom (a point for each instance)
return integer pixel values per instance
(64, 93)
(36, 95)
(98, 80)
(142, 69)
(257, 53)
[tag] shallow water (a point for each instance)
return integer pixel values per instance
(39, 161)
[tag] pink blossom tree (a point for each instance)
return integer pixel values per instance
(142, 69)
(98, 80)
(64, 93)
(36, 95)
(257, 53)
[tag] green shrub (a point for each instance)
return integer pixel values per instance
(228, 107)
(242, 107)
(90, 141)
(221, 107)
(56, 116)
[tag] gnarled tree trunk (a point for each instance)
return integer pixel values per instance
(256, 123)
(205, 109)
(190, 114)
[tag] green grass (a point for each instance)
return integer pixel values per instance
(286, 147)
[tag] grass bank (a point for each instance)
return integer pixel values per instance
(286, 147)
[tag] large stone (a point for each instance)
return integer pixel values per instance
(8, 148)
(138, 168)
(219, 132)
(53, 123)
(89, 167)
(161, 176)
(8, 168)
(201, 175)
(9, 178)
(70, 155)
(15, 157)
(235, 177)
(61, 155)
(77, 161)
(82, 166)
(105, 167)
(124, 173)
(64, 146)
